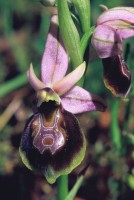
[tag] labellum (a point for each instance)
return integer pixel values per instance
(52, 142)
(117, 77)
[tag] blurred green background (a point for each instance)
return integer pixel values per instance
(110, 175)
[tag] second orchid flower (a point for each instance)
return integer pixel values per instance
(113, 27)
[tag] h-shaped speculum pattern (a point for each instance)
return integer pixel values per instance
(49, 138)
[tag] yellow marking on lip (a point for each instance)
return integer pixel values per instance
(110, 88)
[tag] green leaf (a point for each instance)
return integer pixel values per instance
(75, 188)
(83, 8)
(69, 33)
(85, 39)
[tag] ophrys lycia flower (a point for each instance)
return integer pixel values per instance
(53, 142)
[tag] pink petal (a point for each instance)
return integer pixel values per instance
(126, 33)
(65, 84)
(78, 100)
(118, 13)
(105, 40)
(125, 30)
(55, 60)
(33, 80)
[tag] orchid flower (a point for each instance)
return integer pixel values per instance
(53, 142)
(113, 27)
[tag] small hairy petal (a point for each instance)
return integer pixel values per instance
(105, 40)
(118, 13)
(117, 77)
(33, 80)
(65, 84)
(78, 100)
(55, 60)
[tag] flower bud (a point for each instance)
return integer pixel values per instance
(48, 2)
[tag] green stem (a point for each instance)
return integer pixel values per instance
(62, 187)
(76, 50)
(115, 130)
